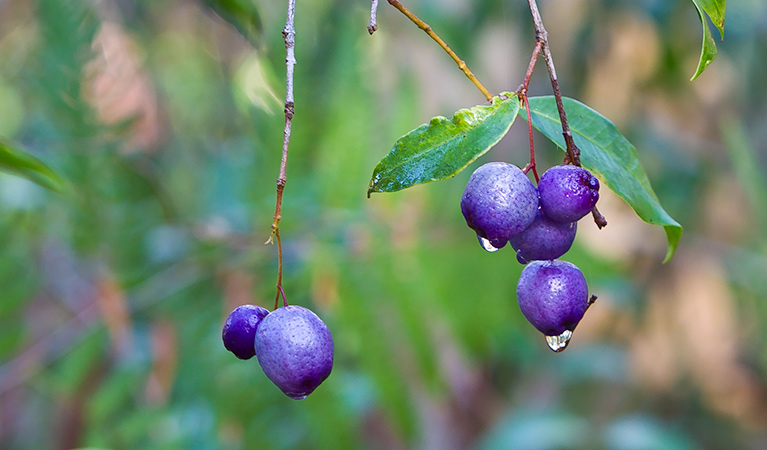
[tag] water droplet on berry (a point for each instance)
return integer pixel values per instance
(559, 343)
(486, 244)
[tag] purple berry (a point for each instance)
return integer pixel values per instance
(553, 297)
(499, 202)
(543, 239)
(295, 349)
(239, 331)
(568, 192)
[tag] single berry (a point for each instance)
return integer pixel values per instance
(239, 331)
(499, 202)
(295, 349)
(553, 297)
(544, 239)
(568, 192)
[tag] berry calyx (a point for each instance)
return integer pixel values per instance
(239, 331)
(499, 202)
(295, 350)
(553, 296)
(567, 192)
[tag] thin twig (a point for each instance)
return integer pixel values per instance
(533, 59)
(542, 36)
(373, 26)
(276, 235)
(289, 34)
(522, 92)
(461, 63)
(531, 164)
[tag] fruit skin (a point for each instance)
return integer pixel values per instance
(553, 296)
(568, 192)
(295, 350)
(544, 239)
(499, 202)
(239, 331)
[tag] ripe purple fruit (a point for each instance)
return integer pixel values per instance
(568, 192)
(295, 350)
(543, 239)
(239, 331)
(553, 297)
(499, 202)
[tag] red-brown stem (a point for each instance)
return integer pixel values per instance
(279, 271)
(533, 59)
(531, 164)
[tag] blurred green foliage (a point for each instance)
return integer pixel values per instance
(168, 125)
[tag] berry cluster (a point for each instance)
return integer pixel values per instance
(293, 345)
(502, 206)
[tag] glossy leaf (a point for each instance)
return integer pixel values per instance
(444, 147)
(21, 163)
(609, 155)
(715, 9)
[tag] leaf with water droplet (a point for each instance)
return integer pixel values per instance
(559, 343)
(444, 147)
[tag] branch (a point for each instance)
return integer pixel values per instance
(373, 26)
(461, 63)
(542, 46)
(289, 35)
(542, 38)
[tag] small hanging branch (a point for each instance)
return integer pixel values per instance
(373, 26)
(289, 35)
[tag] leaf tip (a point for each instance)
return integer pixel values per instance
(673, 235)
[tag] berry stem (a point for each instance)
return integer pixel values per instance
(522, 92)
(280, 291)
(425, 27)
(531, 164)
(373, 25)
(542, 39)
(289, 35)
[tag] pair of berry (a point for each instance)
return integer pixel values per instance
(501, 205)
(293, 345)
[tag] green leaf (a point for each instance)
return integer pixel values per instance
(442, 148)
(21, 163)
(714, 8)
(609, 155)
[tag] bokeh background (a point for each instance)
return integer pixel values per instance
(167, 124)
